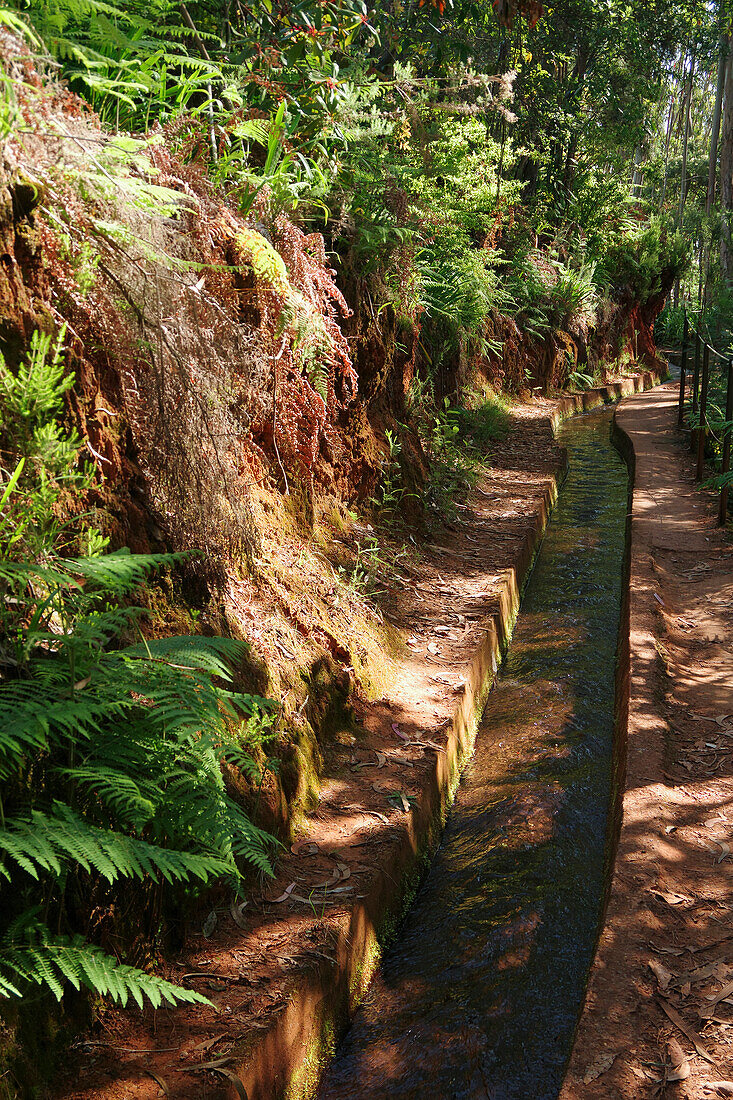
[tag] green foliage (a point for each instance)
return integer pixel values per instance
(554, 296)
(110, 752)
(482, 419)
(456, 439)
(391, 490)
(30, 955)
(636, 264)
(46, 467)
(670, 326)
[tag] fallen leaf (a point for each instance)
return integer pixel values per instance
(304, 847)
(432, 648)
(399, 732)
(599, 1066)
(241, 1090)
(686, 1030)
(285, 895)
(207, 1044)
(658, 598)
(715, 969)
(159, 1080)
(671, 898)
(723, 718)
(209, 924)
(361, 810)
(405, 803)
(680, 1066)
(216, 1063)
(717, 997)
(236, 911)
(720, 1088)
(381, 759)
(660, 972)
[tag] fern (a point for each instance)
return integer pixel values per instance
(30, 955)
(110, 753)
(42, 842)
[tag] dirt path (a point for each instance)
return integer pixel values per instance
(657, 1019)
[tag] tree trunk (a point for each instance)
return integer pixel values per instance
(726, 172)
(715, 133)
(570, 164)
(678, 77)
(686, 133)
(637, 174)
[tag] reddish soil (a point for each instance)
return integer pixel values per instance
(658, 1018)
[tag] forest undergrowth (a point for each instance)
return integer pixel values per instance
(271, 279)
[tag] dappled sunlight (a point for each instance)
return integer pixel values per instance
(501, 933)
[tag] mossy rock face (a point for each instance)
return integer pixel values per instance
(328, 708)
(26, 195)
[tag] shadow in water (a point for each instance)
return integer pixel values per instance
(480, 994)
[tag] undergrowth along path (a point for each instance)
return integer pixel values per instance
(657, 1015)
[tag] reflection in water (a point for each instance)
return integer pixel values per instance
(480, 995)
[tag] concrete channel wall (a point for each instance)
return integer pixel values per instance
(284, 1062)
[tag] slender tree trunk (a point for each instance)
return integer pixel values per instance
(715, 133)
(686, 137)
(569, 174)
(671, 118)
(714, 142)
(637, 175)
(667, 139)
(726, 172)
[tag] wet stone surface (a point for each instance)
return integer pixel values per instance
(480, 994)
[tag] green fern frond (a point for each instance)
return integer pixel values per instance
(214, 655)
(319, 376)
(115, 789)
(30, 955)
(110, 757)
(42, 842)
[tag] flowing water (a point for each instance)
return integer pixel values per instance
(480, 995)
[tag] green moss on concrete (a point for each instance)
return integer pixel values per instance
(363, 971)
(319, 1051)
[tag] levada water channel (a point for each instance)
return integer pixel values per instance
(479, 996)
